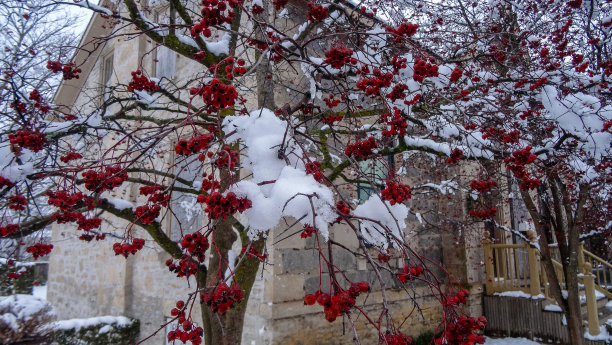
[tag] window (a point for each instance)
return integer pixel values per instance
(107, 75)
(187, 212)
(165, 59)
(377, 171)
(165, 62)
(170, 326)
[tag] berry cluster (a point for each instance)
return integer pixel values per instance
(63, 200)
(456, 74)
(482, 186)
(396, 124)
(147, 214)
(423, 69)
(126, 249)
(521, 157)
(461, 332)
(339, 56)
(213, 14)
(196, 144)
(66, 217)
(196, 244)
(4, 182)
(455, 155)
(230, 70)
(68, 70)
(308, 231)
(331, 103)
(316, 12)
(19, 105)
(188, 331)
(459, 298)
(209, 183)
(154, 194)
(39, 250)
(397, 339)
(483, 214)
(140, 82)
(39, 103)
(383, 257)
(398, 64)
(339, 303)
(517, 162)
(217, 95)
(33, 140)
(361, 150)
(279, 4)
(538, 84)
(314, 169)
(199, 56)
(372, 86)
(396, 193)
(185, 267)
(70, 156)
(342, 208)
(110, 178)
(329, 120)
(404, 30)
(253, 253)
(8, 230)
(511, 137)
(87, 224)
(607, 127)
(410, 273)
(15, 275)
(17, 202)
(88, 237)
(222, 297)
(219, 206)
(398, 92)
(227, 158)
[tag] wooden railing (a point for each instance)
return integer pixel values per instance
(510, 267)
(517, 267)
(601, 269)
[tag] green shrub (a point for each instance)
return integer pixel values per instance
(423, 339)
(21, 285)
(103, 330)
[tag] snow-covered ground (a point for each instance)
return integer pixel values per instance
(509, 341)
(40, 291)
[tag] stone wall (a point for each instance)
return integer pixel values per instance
(87, 279)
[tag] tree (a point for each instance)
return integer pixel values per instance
(503, 91)
(29, 31)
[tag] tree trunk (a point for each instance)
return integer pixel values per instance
(226, 329)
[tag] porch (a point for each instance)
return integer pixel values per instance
(517, 300)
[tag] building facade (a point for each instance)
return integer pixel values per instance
(86, 278)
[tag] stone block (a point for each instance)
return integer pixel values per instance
(298, 261)
(285, 287)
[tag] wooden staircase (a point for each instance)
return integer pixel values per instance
(511, 268)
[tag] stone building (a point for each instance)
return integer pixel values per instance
(86, 279)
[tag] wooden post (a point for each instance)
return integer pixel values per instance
(534, 265)
(581, 266)
(488, 259)
(589, 289)
(534, 271)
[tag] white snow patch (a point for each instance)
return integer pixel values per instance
(383, 221)
(509, 341)
(553, 307)
(518, 294)
(22, 308)
(92, 321)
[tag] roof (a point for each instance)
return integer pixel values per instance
(88, 51)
